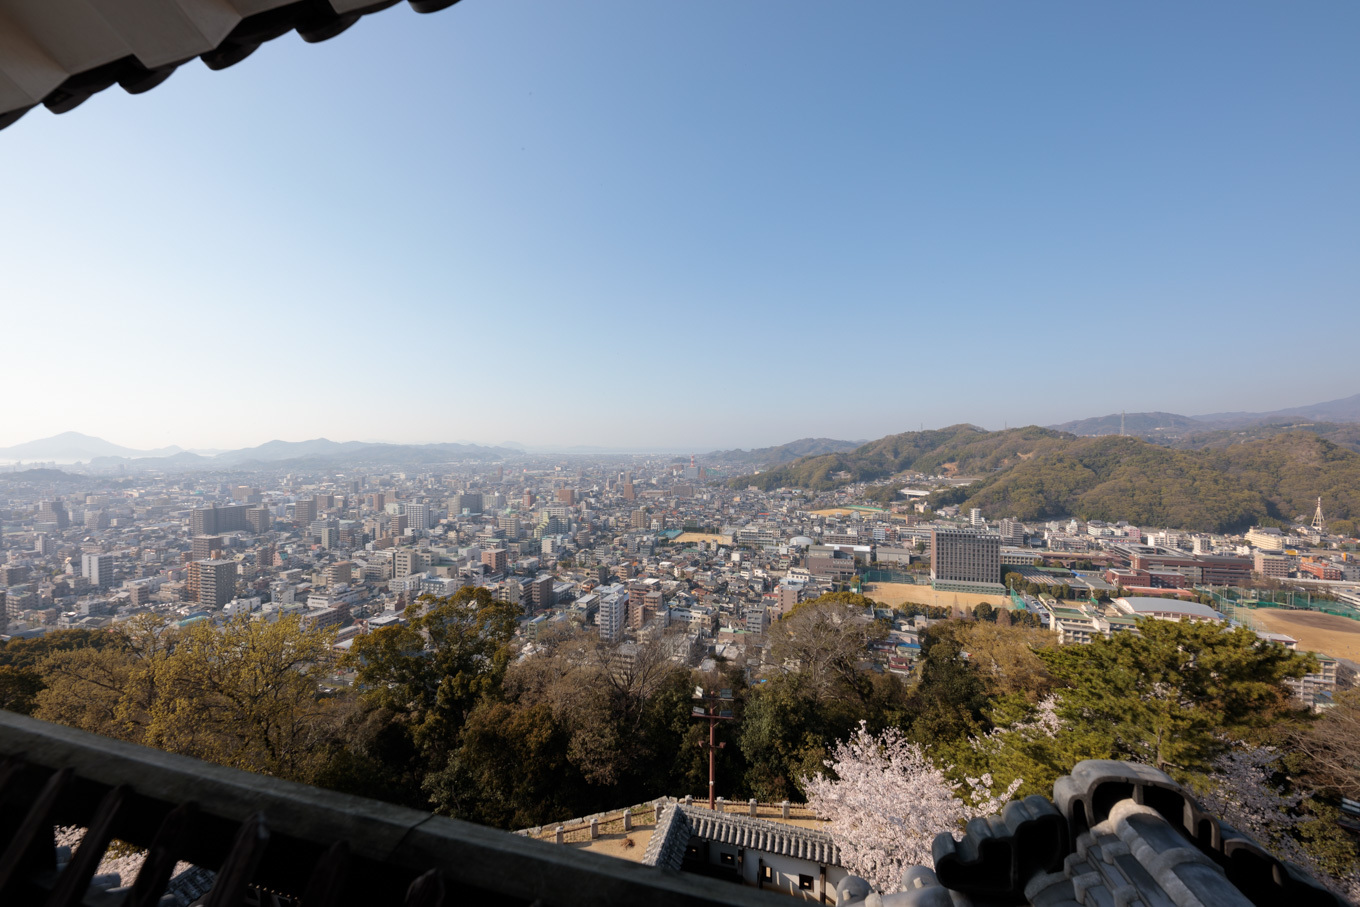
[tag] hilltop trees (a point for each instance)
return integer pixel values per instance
(418, 683)
(21, 674)
(1166, 696)
(243, 695)
(826, 639)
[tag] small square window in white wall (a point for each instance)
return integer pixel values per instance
(805, 882)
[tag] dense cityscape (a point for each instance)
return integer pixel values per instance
(625, 547)
(675, 566)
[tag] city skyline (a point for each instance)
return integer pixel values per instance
(630, 227)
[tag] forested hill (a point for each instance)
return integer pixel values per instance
(773, 456)
(1346, 434)
(960, 449)
(1035, 473)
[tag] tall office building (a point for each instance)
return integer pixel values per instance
(259, 519)
(98, 569)
(408, 561)
(52, 513)
(216, 583)
(469, 502)
(418, 516)
(213, 519)
(566, 496)
(304, 512)
(339, 572)
(203, 546)
(1012, 532)
(962, 560)
(541, 591)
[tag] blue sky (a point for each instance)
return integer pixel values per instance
(695, 225)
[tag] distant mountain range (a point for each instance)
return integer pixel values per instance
(1158, 426)
(1347, 409)
(73, 447)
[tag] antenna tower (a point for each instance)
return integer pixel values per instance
(1319, 524)
(1121, 423)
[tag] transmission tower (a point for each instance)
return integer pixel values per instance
(1121, 423)
(1319, 524)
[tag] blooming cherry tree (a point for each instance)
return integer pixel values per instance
(888, 801)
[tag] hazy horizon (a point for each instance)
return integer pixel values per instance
(601, 444)
(632, 226)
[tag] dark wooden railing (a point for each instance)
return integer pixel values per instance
(275, 843)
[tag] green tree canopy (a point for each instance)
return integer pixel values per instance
(432, 671)
(1167, 695)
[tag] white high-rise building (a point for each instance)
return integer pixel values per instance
(418, 516)
(613, 614)
(98, 569)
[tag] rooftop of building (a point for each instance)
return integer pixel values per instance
(680, 822)
(1138, 604)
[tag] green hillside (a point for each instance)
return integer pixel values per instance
(1034, 473)
(959, 449)
(1345, 434)
(784, 453)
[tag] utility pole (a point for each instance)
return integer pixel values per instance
(716, 706)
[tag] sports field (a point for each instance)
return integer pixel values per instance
(898, 593)
(1338, 637)
(694, 538)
